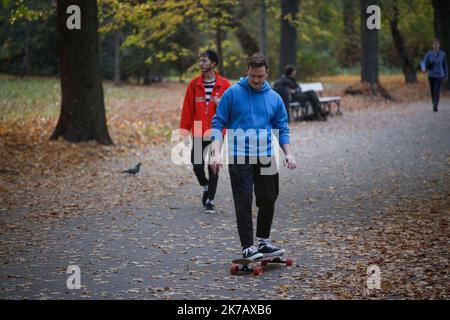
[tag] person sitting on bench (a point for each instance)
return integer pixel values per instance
(288, 78)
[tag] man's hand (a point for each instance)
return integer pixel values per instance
(290, 162)
(216, 156)
(216, 163)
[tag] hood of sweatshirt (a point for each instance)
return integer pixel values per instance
(257, 102)
(249, 116)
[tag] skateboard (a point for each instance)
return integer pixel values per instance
(246, 264)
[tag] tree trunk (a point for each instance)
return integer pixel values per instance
(219, 49)
(442, 28)
(437, 22)
(350, 52)
(82, 116)
(409, 71)
(147, 75)
(248, 42)
(263, 27)
(117, 41)
(369, 47)
(25, 66)
(288, 41)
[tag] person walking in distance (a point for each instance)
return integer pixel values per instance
(435, 62)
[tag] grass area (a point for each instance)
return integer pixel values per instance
(135, 113)
(31, 97)
(28, 97)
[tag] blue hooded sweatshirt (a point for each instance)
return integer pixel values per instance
(251, 115)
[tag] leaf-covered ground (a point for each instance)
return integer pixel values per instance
(373, 187)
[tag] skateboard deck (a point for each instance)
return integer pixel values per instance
(255, 266)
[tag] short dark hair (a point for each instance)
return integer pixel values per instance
(289, 69)
(257, 60)
(211, 55)
(436, 40)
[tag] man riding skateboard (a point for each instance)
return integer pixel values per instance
(249, 110)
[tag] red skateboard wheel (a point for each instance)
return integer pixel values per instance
(257, 271)
(234, 269)
(289, 262)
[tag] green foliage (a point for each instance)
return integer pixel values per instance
(416, 25)
(312, 63)
(164, 37)
(28, 37)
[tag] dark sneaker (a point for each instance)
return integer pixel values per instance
(251, 253)
(205, 198)
(210, 208)
(269, 250)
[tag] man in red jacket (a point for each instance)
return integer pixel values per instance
(200, 102)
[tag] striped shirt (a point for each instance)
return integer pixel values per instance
(209, 85)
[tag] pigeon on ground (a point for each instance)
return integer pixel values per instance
(133, 170)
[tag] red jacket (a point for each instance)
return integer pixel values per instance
(195, 108)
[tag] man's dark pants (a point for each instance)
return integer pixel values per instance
(435, 88)
(244, 178)
(311, 97)
(199, 167)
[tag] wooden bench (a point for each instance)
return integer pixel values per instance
(326, 102)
